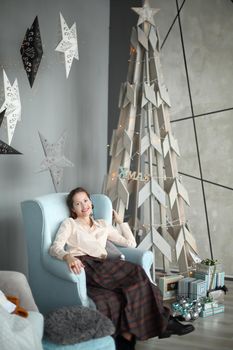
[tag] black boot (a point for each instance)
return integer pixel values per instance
(124, 344)
(175, 327)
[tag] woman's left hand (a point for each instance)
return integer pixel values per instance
(116, 217)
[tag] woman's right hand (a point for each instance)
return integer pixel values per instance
(75, 265)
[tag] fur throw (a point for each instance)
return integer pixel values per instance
(75, 324)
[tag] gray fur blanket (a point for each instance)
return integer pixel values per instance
(75, 324)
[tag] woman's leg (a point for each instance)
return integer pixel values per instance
(123, 292)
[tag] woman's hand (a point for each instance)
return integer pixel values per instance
(75, 265)
(116, 217)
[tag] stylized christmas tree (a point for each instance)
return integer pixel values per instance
(143, 176)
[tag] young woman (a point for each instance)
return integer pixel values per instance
(121, 290)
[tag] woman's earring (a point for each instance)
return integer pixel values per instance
(92, 206)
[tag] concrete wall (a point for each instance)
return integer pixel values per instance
(197, 61)
(54, 104)
(196, 55)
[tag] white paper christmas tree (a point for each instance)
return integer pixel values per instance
(143, 175)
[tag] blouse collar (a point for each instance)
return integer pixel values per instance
(94, 222)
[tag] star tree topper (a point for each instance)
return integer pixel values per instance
(54, 160)
(146, 13)
(12, 105)
(69, 44)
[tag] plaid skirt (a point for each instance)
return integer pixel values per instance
(122, 291)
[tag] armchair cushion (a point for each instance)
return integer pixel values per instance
(113, 251)
(75, 324)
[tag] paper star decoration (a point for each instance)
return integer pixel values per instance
(146, 14)
(32, 51)
(2, 116)
(69, 44)
(4, 147)
(12, 105)
(54, 160)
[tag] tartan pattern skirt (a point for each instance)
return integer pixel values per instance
(123, 292)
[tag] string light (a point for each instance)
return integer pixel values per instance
(163, 225)
(181, 221)
(145, 81)
(132, 50)
(142, 61)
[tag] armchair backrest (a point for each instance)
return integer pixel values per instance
(54, 210)
(42, 218)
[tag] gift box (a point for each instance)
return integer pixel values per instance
(198, 289)
(220, 279)
(210, 279)
(184, 286)
(212, 311)
(217, 295)
(168, 286)
(209, 269)
(210, 305)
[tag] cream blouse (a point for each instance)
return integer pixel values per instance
(75, 239)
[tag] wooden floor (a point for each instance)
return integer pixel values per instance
(211, 333)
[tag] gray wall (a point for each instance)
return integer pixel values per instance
(197, 63)
(198, 68)
(54, 104)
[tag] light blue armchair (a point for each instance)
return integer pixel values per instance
(52, 284)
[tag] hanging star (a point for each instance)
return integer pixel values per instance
(68, 44)
(55, 160)
(12, 105)
(6, 149)
(31, 51)
(146, 14)
(2, 116)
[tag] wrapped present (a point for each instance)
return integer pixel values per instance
(217, 295)
(210, 279)
(168, 286)
(198, 289)
(212, 311)
(209, 266)
(184, 286)
(209, 305)
(220, 279)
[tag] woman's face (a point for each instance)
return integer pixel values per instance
(82, 205)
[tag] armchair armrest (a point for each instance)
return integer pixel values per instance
(16, 284)
(59, 269)
(139, 257)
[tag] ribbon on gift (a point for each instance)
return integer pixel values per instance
(210, 262)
